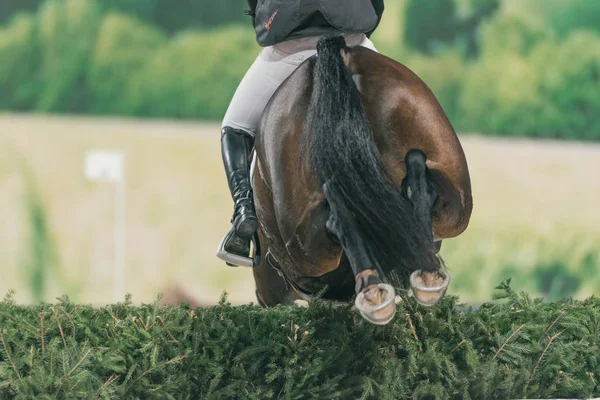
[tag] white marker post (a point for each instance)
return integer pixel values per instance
(107, 166)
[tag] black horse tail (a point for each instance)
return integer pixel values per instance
(367, 209)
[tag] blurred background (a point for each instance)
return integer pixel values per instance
(150, 81)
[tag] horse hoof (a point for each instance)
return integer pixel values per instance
(429, 287)
(377, 303)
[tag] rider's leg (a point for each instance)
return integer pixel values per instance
(238, 130)
(236, 148)
(272, 66)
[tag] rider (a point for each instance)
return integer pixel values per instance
(288, 31)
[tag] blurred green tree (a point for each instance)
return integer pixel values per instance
(9, 8)
(19, 57)
(433, 25)
(524, 85)
(569, 83)
(187, 13)
(142, 9)
(123, 48)
(511, 33)
(166, 14)
(555, 281)
(198, 14)
(469, 23)
(561, 15)
(429, 24)
(188, 78)
(67, 31)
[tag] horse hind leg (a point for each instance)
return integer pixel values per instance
(375, 300)
(418, 187)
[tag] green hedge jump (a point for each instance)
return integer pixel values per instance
(515, 347)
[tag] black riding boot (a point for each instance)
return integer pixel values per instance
(236, 147)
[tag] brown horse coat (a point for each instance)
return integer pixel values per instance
(403, 114)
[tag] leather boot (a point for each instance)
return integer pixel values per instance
(236, 148)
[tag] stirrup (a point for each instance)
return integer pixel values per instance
(236, 260)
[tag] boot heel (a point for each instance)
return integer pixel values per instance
(246, 228)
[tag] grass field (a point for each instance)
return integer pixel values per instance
(535, 213)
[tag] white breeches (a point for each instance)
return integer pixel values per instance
(272, 66)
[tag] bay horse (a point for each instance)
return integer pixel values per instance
(358, 176)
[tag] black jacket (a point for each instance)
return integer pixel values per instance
(276, 21)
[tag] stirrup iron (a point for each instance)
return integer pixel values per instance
(236, 260)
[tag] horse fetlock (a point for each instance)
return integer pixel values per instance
(376, 303)
(429, 287)
(374, 295)
(366, 278)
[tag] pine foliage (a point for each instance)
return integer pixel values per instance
(511, 347)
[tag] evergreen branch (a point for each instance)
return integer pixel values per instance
(33, 329)
(31, 361)
(304, 337)
(69, 318)
(591, 375)
(67, 375)
(164, 326)
(138, 320)
(215, 356)
(62, 335)
(250, 324)
(507, 340)
(108, 382)
(112, 315)
(550, 340)
(414, 332)
(557, 318)
(64, 362)
(164, 364)
(107, 331)
(78, 364)
(9, 296)
(42, 314)
(457, 346)
(14, 367)
(526, 298)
